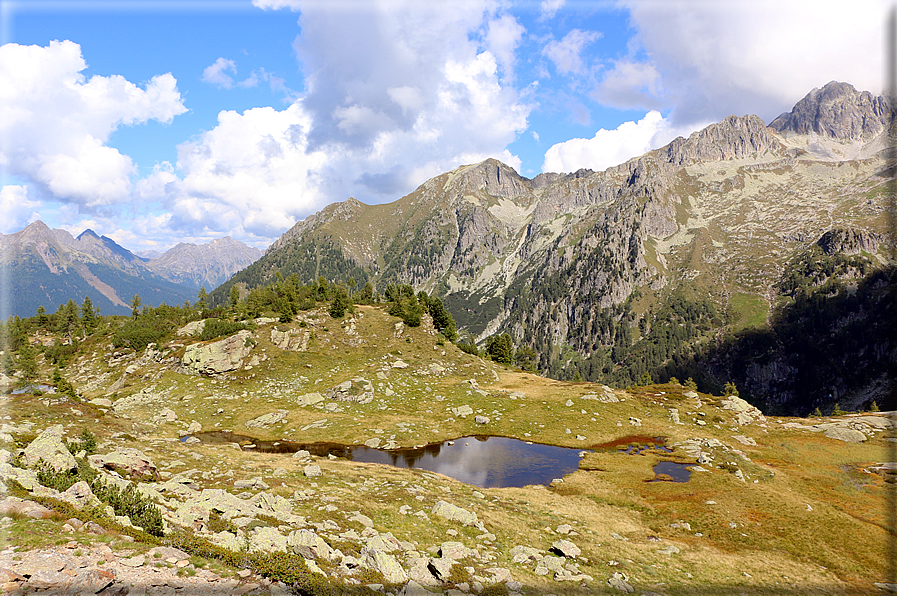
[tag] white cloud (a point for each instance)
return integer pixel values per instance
(567, 53)
(549, 8)
(56, 122)
(16, 209)
(397, 92)
(612, 147)
(721, 58)
(216, 73)
(630, 84)
(502, 38)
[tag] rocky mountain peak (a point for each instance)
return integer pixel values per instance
(735, 137)
(837, 111)
(494, 177)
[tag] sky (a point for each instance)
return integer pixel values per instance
(155, 122)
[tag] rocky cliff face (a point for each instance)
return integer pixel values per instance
(579, 265)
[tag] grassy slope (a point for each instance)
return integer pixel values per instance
(777, 545)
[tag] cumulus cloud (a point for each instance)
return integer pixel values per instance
(397, 92)
(771, 55)
(503, 36)
(566, 54)
(612, 147)
(16, 209)
(56, 122)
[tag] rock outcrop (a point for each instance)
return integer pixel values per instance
(219, 356)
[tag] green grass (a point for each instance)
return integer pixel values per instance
(750, 310)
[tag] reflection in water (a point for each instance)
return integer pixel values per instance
(487, 462)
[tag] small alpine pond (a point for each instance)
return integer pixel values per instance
(484, 461)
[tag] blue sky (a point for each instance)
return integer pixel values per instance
(156, 122)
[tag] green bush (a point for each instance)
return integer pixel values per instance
(86, 441)
(215, 328)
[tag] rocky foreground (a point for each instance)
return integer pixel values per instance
(771, 506)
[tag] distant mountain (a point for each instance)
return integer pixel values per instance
(48, 267)
(654, 264)
(206, 265)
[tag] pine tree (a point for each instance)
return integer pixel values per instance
(135, 305)
(500, 348)
(201, 299)
(89, 316)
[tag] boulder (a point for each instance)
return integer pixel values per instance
(291, 339)
(309, 545)
(312, 470)
(481, 419)
(385, 564)
(80, 496)
(845, 434)
(620, 582)
(462, 411)
(265, 539)
(219, 356)
(565, 548)
(268, 419)
(49, 447)
(412, 588)
(127, 459)
(30, 509)
(310, 399)
(745, 413)
(441, 568)
(454, 513)
(193, 329)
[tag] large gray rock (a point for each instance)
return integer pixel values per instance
(620, 582)
(50, 448)
(265, 539)
(309, 545)
(268, 419)
(80, 496)
(127, 459)
(384, 563)
(845, 434)
(15, 505)
(291, 339)
(565, 548)
(441, 568)
(455, 513)
(218, 356)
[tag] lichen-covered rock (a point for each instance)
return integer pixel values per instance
(268, 419)
(219, 356)
(127, 459)
(265, 539)
(845, 434)
(309, 545)
(384, 563)
(291, 340)
(454, 513)
(50, 448)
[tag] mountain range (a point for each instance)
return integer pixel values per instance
(685, 260)
(49, 267)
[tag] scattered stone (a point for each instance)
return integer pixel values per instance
(620, 582)
(462, 411)
(372, 443)
(165, 415)
(481, 419)
(312, 470)
(399, 364)
(668, 550)
(745, 440)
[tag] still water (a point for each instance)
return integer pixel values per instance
(488, 462)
